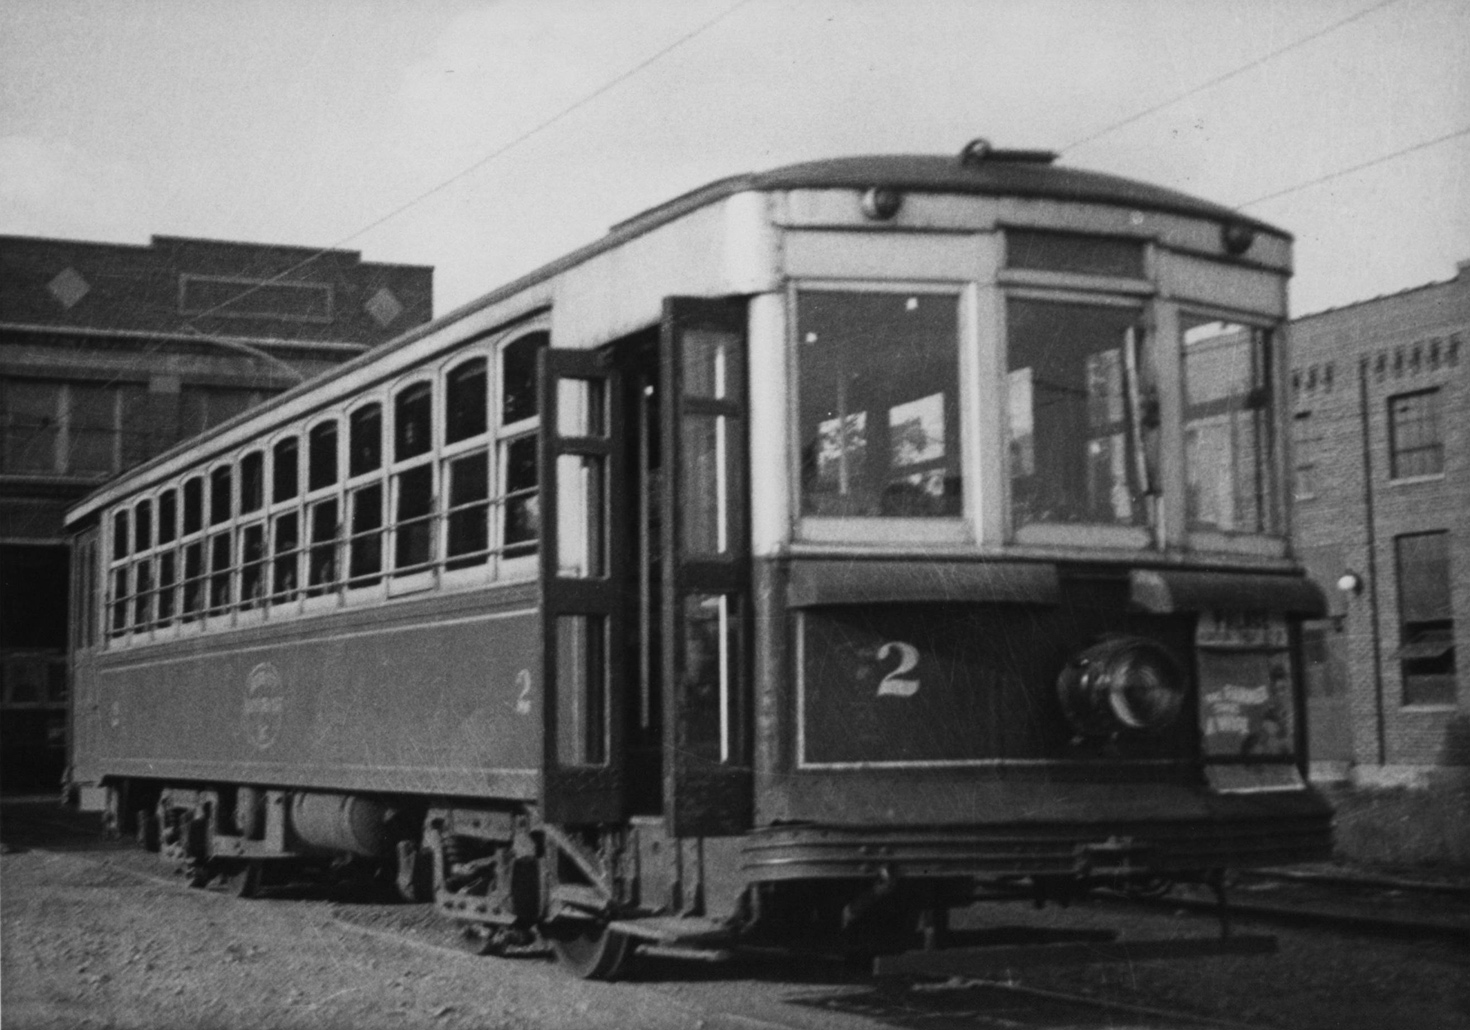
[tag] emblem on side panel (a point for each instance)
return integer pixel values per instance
(265, 704)
(523, 692)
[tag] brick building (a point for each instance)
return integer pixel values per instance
(1382, 453)
(112, 353)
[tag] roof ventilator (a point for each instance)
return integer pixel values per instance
(979, 151)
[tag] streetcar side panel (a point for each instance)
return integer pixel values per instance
(439, 696)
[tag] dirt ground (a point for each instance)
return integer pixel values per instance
(88, 945)
(97, 934)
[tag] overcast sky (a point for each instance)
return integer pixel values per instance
(307, 121)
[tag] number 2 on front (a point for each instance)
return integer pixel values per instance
(897, 683)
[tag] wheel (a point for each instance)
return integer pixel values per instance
(242, 880)
(594, 954)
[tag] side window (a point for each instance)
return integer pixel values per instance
(365, 440)
(285, 471)
(322, 456)
(119, 577)
(465, 470)
(191, 602)
(413, 478)
(252, 482)
(519, 486)
(168, 572)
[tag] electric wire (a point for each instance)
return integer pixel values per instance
(190, 324)
(1228, 75)
(1356, 168)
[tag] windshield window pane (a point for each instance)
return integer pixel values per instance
(1078, 417)
(1227, 413)
(879, 399)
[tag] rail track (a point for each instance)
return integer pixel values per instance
(790, 995)
(1352, 903)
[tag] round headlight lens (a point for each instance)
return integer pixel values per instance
(1127, 683)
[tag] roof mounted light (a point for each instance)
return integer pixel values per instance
(881, 203)
(979, 151)
(1122, 684)
(1237, 237)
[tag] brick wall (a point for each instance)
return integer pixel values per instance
(1347, 363)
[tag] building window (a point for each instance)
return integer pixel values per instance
(1426, 619)
(1306, 438)
(224, 297)
(1415, 445)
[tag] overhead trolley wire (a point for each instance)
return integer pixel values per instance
(1357, 167)
(189, 324)
(1229, 75)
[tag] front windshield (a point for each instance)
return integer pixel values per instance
(1082, 413)
(879, 403)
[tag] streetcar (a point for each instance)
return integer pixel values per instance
(812, 554)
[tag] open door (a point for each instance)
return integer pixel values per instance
(706, 568)
(582, 499)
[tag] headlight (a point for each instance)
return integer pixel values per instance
(1127, 683)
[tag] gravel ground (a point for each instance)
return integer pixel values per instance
(1318, 980)
(97, 935)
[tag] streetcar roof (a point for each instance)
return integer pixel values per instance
(998, 173)
(1005, 176)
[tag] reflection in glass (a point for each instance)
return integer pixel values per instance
(321, 560)
(879, 375)
(321, 456)
(705, 504)
(365, 440)
(580, 547)
(464, 401)
(365, 549)
(708, 676)
(413, 413)
(1077, 419)
(167, 564)
(518, 377)
(468, 539)
(579, 408)
(288, 540)
(252, 482)
(581, 690)
(1227, 412)
(412, 514)
(219, 572)
(284, 482)
(705, 358)
(522, 502)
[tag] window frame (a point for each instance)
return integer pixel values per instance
(372, 586)
(1392, 430)
(449, 453)
(1073, 288)
(503, 435)
(230, 610)
(1253, 544)
(893, 530)
(419, 576)
(328, 594)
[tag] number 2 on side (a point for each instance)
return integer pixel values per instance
(896, 684)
